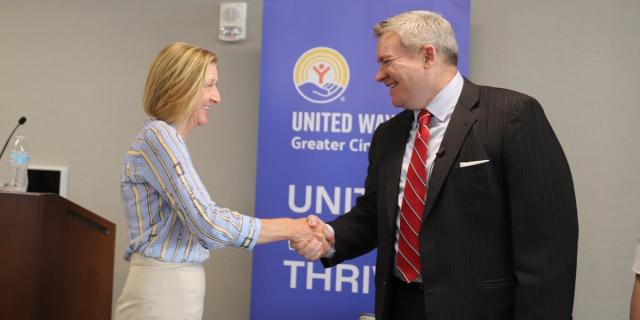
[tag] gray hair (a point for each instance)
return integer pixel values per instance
(417, 28)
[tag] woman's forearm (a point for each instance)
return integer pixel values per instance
(280, 229)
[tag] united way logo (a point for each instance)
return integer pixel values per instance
(321, 75)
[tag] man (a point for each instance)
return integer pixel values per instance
(634, 313)
(486, 227)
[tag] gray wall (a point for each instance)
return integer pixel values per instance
(76, 69)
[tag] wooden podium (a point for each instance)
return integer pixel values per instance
(56, 259)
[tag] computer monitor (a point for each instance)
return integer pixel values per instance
(48, 179)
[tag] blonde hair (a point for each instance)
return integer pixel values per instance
(174, 81)
(417, 28)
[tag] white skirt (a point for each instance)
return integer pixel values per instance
(159, 290)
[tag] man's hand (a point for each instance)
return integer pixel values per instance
(319, 244)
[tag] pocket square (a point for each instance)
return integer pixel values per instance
(472, 163)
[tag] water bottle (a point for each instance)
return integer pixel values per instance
(19, 159)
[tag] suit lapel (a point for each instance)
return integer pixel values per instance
(461, 122)
(397, 144)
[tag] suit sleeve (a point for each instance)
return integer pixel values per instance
(356, 230)
(543, 215)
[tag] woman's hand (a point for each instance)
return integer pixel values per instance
(316, 244)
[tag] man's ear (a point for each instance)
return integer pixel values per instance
(428, 54)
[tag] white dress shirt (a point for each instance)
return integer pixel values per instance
(441, 108)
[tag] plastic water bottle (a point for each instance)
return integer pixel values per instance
(19, 159)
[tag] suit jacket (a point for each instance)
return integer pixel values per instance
(499, 239)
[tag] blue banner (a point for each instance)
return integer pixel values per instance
(319, 105)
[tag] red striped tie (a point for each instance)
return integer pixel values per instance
(411, 211)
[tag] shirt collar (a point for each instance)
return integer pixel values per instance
(442, 104)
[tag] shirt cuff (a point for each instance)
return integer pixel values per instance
(249, 233)
(328, 230)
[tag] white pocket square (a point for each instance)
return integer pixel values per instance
(472, 163)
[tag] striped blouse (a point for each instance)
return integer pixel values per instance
(169, 214)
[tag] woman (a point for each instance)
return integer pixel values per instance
(172, 223)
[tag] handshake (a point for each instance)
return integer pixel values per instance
(312, 238)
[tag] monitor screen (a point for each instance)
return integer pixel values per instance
(44, 181)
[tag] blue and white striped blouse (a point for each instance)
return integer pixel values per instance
(170, 216)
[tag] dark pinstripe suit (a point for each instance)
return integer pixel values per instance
(499, 239)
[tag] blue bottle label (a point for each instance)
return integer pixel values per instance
(19, 158)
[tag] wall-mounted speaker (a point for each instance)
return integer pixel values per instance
(233, 21)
